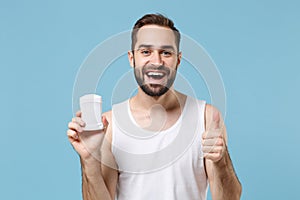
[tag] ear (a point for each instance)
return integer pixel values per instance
(130, 58)
(179, 59)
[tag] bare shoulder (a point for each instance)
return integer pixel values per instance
(108, 132)
(106, 151)
(108, 116)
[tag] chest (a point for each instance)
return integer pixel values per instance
(156, 119)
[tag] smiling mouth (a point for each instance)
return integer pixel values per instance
(155, 74)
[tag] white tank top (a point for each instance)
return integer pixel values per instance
(167, 165)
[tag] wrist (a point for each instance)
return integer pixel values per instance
(90, 160)
(90, 166)
(223, 162)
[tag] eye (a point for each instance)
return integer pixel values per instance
(166, 53)
(145, 52)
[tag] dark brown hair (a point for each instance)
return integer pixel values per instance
(156, 19)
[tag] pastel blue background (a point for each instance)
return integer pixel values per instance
(255, 44)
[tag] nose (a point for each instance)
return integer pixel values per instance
(156, 58)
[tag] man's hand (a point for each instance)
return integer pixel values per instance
(213, 141)
(86, 143)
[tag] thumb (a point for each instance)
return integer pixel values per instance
(216, 120)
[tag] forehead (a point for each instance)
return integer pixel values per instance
(155, 36)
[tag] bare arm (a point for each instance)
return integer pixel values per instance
(223, 181)
(98, 180)
(93, 184)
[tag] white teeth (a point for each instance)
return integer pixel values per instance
(155, 74)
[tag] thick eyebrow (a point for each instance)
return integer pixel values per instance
(161, 47)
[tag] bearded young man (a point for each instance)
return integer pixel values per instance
(181, 173)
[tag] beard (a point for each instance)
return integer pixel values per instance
(155, 81)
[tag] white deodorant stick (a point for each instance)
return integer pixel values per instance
(91, 111)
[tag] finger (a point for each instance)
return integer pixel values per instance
(213, 156)
(79, 121)
(74, 126)
(213, 142)
(72, 134)
(211, 134)
(212, 149)
(78, 113)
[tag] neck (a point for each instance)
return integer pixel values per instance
(170, 100)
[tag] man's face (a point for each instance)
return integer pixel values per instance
(155, 59)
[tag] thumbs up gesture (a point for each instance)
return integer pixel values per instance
(213, 139)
